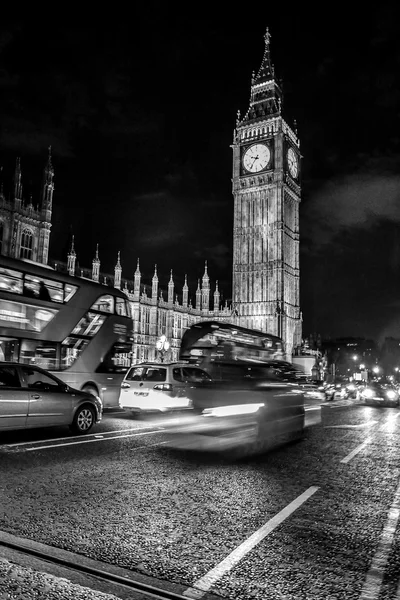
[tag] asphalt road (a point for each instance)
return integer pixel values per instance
(317, 519)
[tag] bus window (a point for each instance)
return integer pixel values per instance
(10, 280)
(69, 291)
(9, 349)
(54, 288)
(104, 304)
(117, 359)
(89, 324)
(42, 354)
(122, 307)
(71, 349)
(24, 316)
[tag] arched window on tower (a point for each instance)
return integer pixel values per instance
(1, 236)
(26, 244)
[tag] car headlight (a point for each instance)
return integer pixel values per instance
(230, 411)
(368, 393)
(391, 394)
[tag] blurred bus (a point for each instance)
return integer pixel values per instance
(77, 328)
(211, 343)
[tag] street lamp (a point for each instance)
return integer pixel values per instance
(162, 346)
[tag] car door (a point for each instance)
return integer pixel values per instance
(14, 399)
(49, 401)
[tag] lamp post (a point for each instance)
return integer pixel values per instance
(162, 346)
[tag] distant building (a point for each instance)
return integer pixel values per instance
(153, 314)
(25, 228)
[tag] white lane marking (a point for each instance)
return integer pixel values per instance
(83, 441)
(385, 427)
(359, 426)
(356, 450)
(72, 437)
(373, 581)
(202, 586)
(312, 408)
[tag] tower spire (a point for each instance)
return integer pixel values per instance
(18, 180)
(96, 266)
(266, 93)
(266, 70)
(48, 188)
(118, 272)
(72, 257)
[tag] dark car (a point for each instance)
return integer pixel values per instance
(380, 394)
(32, 397)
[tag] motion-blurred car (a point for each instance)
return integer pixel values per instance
(247, 413)
(31, 397)
(154, 387)
(380, 394)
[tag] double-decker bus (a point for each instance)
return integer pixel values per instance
(211, 342)
(79, 329)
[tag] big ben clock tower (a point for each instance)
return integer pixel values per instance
(266, 190)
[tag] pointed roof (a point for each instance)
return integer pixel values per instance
(155, 277)
(96, 258)
(72, 250)
(171, 281)
(49, 166)
(185, 285)
(198, 287)
(266, 70)
(205, 276)
(137, 272)
(216, 288)
(266, 94)
(118, 265)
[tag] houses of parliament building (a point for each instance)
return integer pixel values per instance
(266, 274)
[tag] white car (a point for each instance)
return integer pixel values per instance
(155, 387)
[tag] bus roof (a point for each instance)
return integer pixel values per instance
(47, 272)
(198, 330)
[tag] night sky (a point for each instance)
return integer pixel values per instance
(140, 111)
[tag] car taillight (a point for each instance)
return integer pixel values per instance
(163, 387)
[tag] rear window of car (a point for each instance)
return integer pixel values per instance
(155, 374)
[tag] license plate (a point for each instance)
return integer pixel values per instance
(141, 393)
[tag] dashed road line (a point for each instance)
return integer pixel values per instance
(203, 585)
(373, 581)
(356, 450)
(70, 437)
(84, 441)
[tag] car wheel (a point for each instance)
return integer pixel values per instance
(83, 420)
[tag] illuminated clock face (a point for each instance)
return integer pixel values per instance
(293, 163)
(256, 158)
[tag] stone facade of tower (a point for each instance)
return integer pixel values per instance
(266, 191)
(25, 228)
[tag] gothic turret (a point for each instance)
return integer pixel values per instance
(205, 290)
(198, 296)
(96, 266)
(171, 289)
(118, 272)
(136, 284)
(48, 189)
(216, 297)
(185, 293)
(154, 285)
(71, 258)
